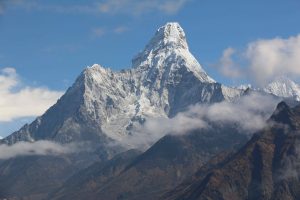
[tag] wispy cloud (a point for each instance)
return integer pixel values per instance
(41, 147)
(120, 29)
(102, 31)
(263, 60)
(112, 7)
(290, 164)
(227, 66)
(137, 7)
(98, 32)
(34, 5)
(19, 100)
(8, 3)
(1, 9)
(248, 114)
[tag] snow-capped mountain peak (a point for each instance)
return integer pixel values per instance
(283, 87)
(167, 53)
(107, 105)
(170, 35)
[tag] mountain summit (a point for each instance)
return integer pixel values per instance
(168, 52)
(170, 35)
(104, 106)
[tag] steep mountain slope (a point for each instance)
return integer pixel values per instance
(33, 177)
(267, 167)
(104, 106)
(163, 166)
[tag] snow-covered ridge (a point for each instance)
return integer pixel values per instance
(283, 87)
(170, 35)
(164, 79)
(167, 52)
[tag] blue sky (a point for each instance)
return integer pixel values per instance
(49, 43)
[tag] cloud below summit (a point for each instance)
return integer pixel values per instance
(248, 114)
(41, 148)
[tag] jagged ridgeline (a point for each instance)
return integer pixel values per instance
(104, 111)
(104, 106)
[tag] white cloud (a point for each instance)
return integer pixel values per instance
(128, 7)
(99, 32)
(249, 114)
(5, 3)
(290, 164)
(227, 66)
(1, 9)
(120, 29)
(18, 100)
(34, 5)
(137, 7)
(263, 60)
(41, 147)
(153, 129)
(275, 57)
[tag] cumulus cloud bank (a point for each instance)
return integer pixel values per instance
(18, 100)
(263, 60)
(248, 114)
(37, 148)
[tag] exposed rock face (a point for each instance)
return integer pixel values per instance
(267, 167)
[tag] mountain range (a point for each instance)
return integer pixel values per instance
(108, 111)
(103, 105)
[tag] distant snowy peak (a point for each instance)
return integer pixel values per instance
(168, 53)
(280, 86)
(283, 87)
(244, 87)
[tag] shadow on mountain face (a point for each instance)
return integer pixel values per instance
(167, 163)
(267, 167)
